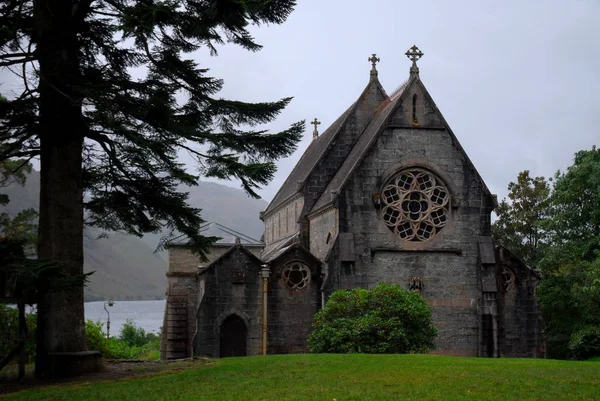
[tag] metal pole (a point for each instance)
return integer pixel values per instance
(108, 302)
(265, 276)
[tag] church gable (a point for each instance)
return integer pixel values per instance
(327, 151)
(416, 109)
(409, 108)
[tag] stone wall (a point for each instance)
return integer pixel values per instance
(283, 221)
(182, 260)
(520, 326)
(179, 319)
(448, 264)
(291, 312)
(184, 293)
(232, 286)
(323, 232)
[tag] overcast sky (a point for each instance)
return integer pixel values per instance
(518, 81)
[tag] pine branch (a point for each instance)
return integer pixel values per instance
(13, 55)
(20, 61)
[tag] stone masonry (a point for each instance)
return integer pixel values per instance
(385, 194)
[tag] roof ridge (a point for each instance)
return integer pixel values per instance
(317, 150)
(361, 147)
(399, 90)
(340, 123)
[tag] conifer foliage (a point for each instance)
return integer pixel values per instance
(107, 141)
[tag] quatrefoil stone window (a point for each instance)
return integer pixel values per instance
(296, 275)
(415, 205)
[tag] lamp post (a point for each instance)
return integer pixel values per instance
(108, 302)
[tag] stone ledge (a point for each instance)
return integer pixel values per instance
(183, 274)
(74, 363)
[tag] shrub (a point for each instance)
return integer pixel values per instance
(118, 349)
(385, 319)
(132, 343)
(94, 333)
(132, 335)
(585, 343)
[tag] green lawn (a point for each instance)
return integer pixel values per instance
(349, 377)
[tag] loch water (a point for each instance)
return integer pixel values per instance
(146, 314)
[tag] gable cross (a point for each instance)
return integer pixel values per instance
(414, 54)
(315, 122)
(374, 59)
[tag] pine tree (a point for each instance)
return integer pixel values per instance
(101, 133)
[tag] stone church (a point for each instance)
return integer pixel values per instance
(385, 194)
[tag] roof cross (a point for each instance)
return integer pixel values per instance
(315, 122)
(373, 59)
(414, 54)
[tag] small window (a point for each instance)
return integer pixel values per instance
(347, 268)
(415, 121)
(296, 276)
(508, 279)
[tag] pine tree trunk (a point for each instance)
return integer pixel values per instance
(61, 326)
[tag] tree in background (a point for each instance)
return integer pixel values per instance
(12, 172)
(22, 227)
(569, 295)
(519, 223)
(384, 320)
(100, 132)
(558, 231)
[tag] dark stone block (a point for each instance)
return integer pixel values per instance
(66, 364)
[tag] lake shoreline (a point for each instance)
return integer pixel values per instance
(145, 314)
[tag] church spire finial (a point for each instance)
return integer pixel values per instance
(315, 122)
(373, 59)
(414, 54)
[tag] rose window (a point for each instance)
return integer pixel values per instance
(296, 276)
(415, 205)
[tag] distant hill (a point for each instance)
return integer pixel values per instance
(126, 267)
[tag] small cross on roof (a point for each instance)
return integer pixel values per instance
(414, 54)
(374, 59)
(315, 122)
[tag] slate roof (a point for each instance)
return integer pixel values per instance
(315, 151)
(214, 229)
(235, 247)
(278, 248)
(364, 143)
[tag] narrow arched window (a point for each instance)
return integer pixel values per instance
(414, 110)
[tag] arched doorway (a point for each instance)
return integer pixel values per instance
(233, 335)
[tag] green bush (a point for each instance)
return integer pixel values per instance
(94, 333)
(585, 343)
(384, 320)
(132, 343)
(132, 335)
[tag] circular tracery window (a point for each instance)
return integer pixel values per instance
(296, 276)
(415, 205)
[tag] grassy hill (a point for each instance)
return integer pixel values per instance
(126, 267)
(347, 377)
